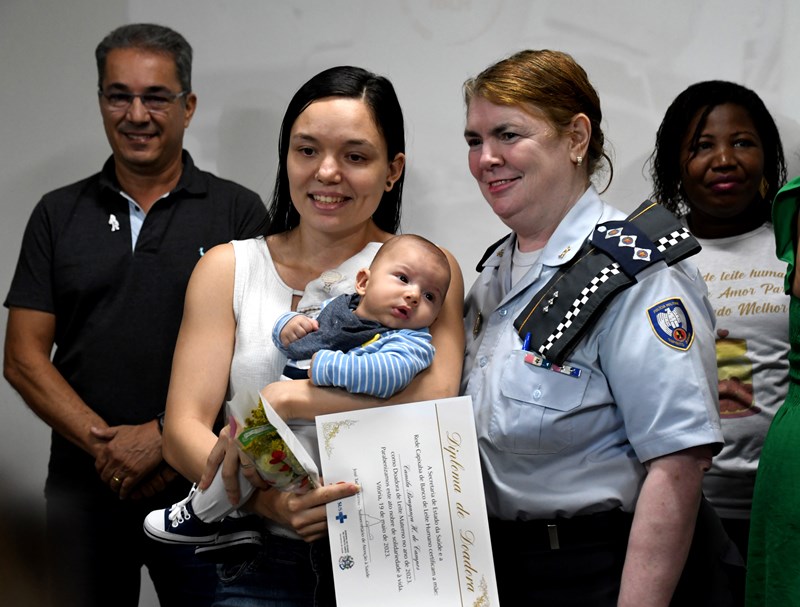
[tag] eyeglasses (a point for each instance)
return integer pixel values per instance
(153, 102)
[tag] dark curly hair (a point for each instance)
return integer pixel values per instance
(700, 99)
(379, 96)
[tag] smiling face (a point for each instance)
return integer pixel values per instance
(722, 172)
(405, 286)
(143, 142)
(523, 165)
(337, 165)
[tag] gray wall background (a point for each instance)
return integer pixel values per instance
(251, 55)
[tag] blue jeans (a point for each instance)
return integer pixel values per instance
(285, 573)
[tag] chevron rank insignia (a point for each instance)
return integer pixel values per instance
(671, 323)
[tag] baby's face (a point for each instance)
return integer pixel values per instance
(405, 288)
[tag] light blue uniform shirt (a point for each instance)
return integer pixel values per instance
(555, 445)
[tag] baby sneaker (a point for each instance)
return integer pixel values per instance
(178, 524)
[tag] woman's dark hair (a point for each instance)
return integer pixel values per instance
(379, 96)
(700, 99)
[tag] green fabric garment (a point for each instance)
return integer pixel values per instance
(773, 561)
(784, 219)
(773, 572)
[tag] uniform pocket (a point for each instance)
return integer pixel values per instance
(535, 414)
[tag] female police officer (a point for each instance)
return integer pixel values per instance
(590, 354)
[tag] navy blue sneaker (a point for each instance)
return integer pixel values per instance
(178, 524)
(238, 540)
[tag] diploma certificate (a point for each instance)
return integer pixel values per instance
(417, 533)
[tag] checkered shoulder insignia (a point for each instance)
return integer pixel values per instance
(626, 244)
(573, 300)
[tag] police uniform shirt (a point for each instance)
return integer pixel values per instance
(554, 444)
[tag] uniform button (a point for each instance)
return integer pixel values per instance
(537, 394)
(483, 361)
(503, 312)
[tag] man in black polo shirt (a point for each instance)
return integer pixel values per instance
(102, 275)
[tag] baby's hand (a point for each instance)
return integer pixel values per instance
(297, 327)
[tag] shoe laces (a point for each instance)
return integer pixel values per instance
(178, 513)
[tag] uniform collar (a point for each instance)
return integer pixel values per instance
(495, 254)
(565, 242)
(573, 230)
(191, 179)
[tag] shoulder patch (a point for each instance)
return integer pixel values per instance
(671, 323)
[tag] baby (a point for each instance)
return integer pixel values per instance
(372, 342)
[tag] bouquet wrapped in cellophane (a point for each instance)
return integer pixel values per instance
(279, 457)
